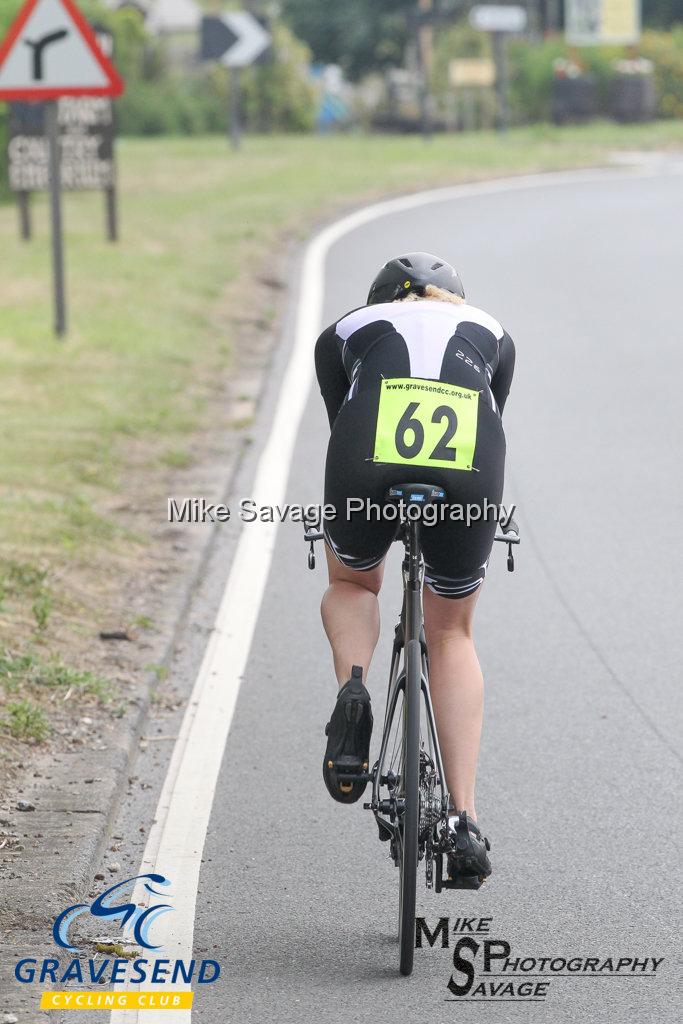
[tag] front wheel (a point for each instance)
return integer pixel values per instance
(410, 793)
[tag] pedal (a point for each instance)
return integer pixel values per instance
(461, 881)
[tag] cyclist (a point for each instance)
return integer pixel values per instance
(415, 328)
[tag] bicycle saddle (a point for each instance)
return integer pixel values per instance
(415, 494)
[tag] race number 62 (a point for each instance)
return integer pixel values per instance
(426, 423)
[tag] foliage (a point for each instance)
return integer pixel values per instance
(460, 41)
(179, 107)
(531, 69)
(661, 13)
(665, 50)
(24, 720)
(360, 35)
(277, 94)
(366, 36)
(531, 72)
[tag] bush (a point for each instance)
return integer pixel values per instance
(531, 69)
(164, 100)
(665, 50)
(531, 73)
(531, 78)
(471, 108)
(278, 94)
(162, 108)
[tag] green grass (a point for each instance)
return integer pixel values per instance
(143, 622)
(176, 458)
(29, 671)
(21, 582)
(24, 720)
(154, 323)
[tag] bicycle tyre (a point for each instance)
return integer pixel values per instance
(411, 808)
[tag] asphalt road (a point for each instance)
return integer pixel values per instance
(580, 650)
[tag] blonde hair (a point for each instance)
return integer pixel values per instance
(432, 292)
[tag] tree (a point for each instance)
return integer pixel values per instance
(662, 13)
(360, 35)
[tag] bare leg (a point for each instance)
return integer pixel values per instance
(457, 690)
(350, 613)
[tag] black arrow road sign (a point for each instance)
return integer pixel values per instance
(216, 38)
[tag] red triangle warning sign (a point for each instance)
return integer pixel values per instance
(50, 51)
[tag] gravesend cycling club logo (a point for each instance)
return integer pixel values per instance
(131, 909)
(137, 919)
(488, 970)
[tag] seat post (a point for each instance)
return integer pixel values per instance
(413, 583)
(420, 495)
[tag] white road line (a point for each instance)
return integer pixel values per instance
(176, 840)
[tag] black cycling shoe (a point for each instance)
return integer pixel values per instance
(469, 857)
(348, 741)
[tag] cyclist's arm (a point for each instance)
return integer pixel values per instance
(329, 368)
(502, 378)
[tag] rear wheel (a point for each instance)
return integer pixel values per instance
(410, 794)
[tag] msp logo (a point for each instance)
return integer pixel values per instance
(137, 920)
(487, 970)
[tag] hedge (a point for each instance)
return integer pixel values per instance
(531, 69)
(531, 72)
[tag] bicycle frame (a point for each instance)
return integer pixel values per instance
(409, 628)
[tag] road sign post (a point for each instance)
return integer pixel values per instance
(111, 213)
(50, 51)
(24, 207)
(425, 43)
(500, 22)
(52, 125)
(235, 39)
(235, 103)
(499, 44)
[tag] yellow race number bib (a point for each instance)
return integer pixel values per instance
(426, 423)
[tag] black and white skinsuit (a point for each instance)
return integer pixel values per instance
(431, 340)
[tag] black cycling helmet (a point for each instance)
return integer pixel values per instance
(411, 273)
